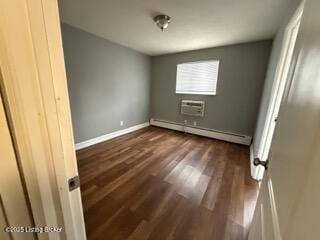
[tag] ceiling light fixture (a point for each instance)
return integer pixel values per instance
(162, 21)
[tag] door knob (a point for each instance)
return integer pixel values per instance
(257, 162)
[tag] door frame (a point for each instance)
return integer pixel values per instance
(14, 207)
(278, 88)
(36, 99)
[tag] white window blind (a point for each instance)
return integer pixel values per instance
(197, 78)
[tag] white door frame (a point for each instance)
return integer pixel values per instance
(278, 88)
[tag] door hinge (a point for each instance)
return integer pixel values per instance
(258, 162)
(73, 183)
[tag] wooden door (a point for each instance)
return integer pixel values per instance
(34, 88)
(288, 207)
(14, 211)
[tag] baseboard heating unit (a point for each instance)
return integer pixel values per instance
(205, 132)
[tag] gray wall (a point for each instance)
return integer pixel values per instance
(274, 58)
(107, 83)
(241, 78)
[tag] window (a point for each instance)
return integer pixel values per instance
(197, 78)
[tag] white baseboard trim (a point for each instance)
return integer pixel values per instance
(108, 136)
(229, 137)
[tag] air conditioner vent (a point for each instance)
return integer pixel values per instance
(192, 108)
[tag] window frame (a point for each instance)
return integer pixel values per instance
(206, 93)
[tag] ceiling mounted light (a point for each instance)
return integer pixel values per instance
(162, 21)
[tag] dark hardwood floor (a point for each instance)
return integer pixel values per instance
(161, 184)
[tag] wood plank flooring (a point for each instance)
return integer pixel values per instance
(160, 184)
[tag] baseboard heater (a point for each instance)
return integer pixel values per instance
(225, 136)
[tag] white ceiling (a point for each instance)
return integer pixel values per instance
(195, 24)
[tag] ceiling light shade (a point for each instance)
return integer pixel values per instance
(162, 21)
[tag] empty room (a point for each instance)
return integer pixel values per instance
(164, 102)
(159, 120)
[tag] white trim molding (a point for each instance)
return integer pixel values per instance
(225, 136)
(252, 167)
(108, 136)
(279, 83)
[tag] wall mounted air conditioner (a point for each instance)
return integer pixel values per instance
(192, 108)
